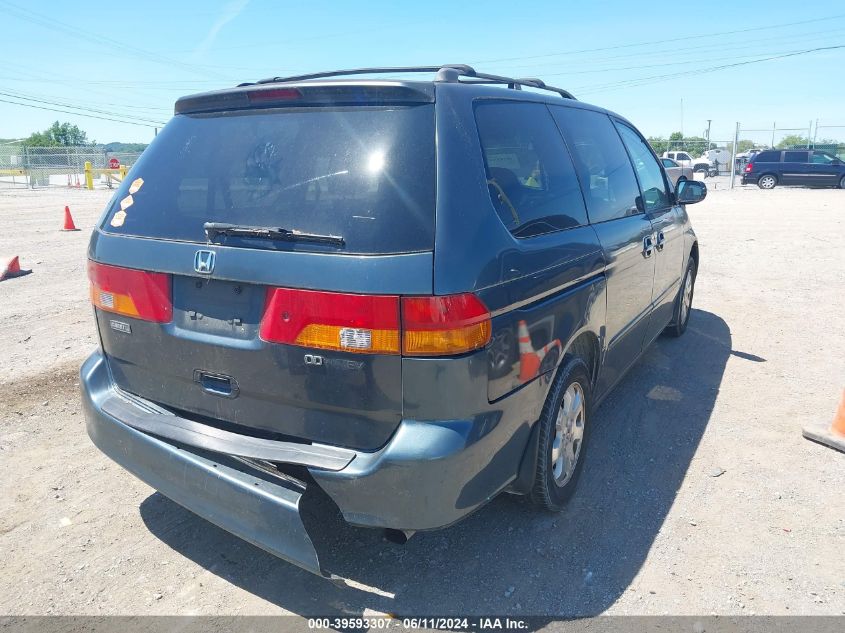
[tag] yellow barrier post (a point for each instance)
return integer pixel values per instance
(123, 171)
(89, 176)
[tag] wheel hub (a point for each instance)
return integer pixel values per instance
(569, 433)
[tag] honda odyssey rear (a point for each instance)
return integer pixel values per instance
(384, 289)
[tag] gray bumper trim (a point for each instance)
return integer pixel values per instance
(172, 427)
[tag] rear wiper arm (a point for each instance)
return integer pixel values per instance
(216, 229)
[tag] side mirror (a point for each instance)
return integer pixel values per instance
(690, 192)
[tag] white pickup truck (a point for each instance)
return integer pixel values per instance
(709, 161)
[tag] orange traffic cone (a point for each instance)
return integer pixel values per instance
(11, 268)
(69, 225)
(833, 435)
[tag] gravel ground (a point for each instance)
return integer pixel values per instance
(699, 495)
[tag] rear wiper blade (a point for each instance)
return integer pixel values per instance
(216, 229)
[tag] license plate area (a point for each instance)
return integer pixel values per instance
(215, 307)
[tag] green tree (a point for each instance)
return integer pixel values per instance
(58, 135)
(793, 140)
(658, 144)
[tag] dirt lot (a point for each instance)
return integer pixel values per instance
(699, 495)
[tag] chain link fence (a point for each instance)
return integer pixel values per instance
(38, 167)
(710, 158)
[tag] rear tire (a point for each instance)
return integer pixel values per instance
(767, 181)
(842, 182)
(563, 434)
(683, 302)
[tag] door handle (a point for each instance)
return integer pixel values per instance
(648, 245)
(217, 384)
(661, 241)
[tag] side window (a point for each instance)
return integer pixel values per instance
(530, 175)
(668, 162)
(683, 156)
(795, 157)
(601, 161)
(821, 159)
(652, 183)
(767, 157)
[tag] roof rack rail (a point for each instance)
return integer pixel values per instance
(447, 73)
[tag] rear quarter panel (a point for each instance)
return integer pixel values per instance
(551, 286)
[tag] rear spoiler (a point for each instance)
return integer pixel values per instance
(330, 93)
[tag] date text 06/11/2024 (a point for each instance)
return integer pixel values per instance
(436, 623)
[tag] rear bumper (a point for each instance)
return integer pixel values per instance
(748, 179)
(226, 492)
(429, 475)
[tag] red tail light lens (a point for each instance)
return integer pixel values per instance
(436, 326)
(135, 293)
(429, 326)
(749, 167)
(332, 320)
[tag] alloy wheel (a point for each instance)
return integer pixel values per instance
(569, 434)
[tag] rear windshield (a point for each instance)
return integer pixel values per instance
(363, 173)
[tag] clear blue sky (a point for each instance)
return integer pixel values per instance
(131, 60)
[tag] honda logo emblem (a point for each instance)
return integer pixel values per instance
(204, 262)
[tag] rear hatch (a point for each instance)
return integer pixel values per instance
(277, 334)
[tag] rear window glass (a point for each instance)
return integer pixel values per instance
(363, 173)
(767, 157)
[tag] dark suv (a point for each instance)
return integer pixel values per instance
(816, 168)
(409, 294)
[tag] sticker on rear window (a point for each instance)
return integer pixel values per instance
(126, 203)
(119, 218)
(136, 185)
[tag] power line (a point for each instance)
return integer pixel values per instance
(656, 78)
(653, 42)
(49, 23)
(90, 116)
(24, 97)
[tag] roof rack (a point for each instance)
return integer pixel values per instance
(447, 73)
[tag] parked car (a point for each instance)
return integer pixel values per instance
(794, 167)
(296, 288)
(682, 158)
(675, 172)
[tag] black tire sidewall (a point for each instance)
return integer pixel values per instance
(760, 181)
(678, 327)
(546, 493)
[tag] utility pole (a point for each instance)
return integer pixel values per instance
(733, 155)
(708, 133)
(809, 133)
(682, 117)
(774, 127)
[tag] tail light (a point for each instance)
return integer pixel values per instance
(749, 167)
(331, 320)
(383, 324)
(135, 293)
(435, 326)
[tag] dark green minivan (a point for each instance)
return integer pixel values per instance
(408, 294)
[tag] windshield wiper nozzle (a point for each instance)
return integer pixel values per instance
(214, 230)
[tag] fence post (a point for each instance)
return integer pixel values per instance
(733, 155)
(26, 166)
(122, 170)
(89, 176)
